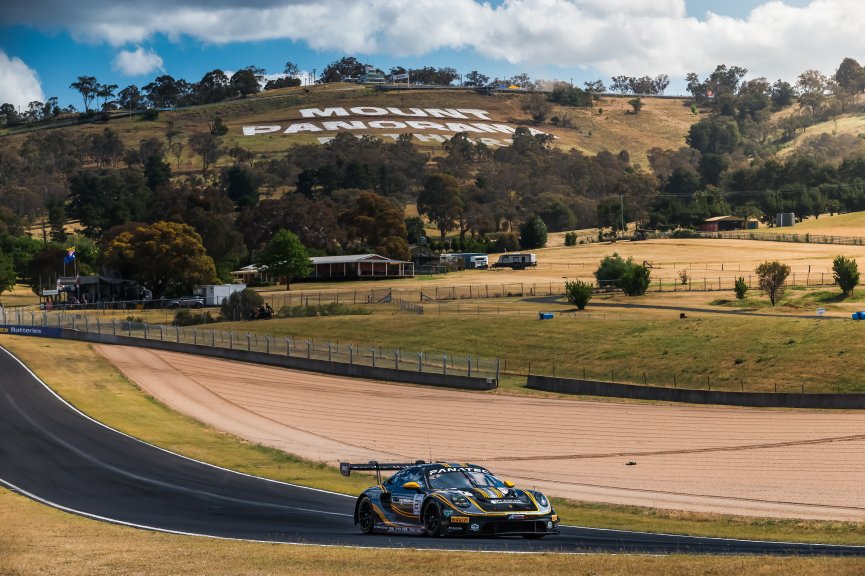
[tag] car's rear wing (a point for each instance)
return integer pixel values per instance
(345, 468)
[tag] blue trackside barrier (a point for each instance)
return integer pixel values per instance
(858, 315)
(545, 315)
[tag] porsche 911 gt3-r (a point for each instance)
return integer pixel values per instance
(443, 498)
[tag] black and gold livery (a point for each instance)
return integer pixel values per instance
(444, 498)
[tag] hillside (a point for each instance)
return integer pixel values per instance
(609, 125)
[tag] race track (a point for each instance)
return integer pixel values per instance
(51, 452)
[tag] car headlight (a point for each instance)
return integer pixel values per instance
(542, 500)
(461, 501)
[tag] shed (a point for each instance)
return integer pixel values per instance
(722, 224)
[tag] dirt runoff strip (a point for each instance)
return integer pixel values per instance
(772, 463)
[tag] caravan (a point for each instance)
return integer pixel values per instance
(517, 260)
(466, 260)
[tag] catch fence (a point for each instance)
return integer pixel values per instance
(330, 350)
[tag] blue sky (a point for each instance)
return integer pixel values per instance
(46, 44)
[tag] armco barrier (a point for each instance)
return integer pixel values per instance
(753, 399)
(338, 368)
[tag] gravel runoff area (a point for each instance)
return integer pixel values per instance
(773, 463)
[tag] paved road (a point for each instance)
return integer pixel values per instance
(53, 453)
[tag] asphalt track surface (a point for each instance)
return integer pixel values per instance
(56, 455)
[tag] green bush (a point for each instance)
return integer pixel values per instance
(635, 280)
(845, 271)
(571, 239)
(741, 288)
(241, 305)
(685, 233)
(610, 270)
(190, 318)
(332, 309)
(579, 293)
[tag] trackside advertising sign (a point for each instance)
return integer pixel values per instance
(42, 331)
(424, 124)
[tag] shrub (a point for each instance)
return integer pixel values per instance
(579, 293)
(571, 239)
(610, 270)
(506, 242)
(685, 233)
(772, 276)
(635, 280)
(241, 305)
(845, 271)
(683, 277)
(190, 318)
(740, 287)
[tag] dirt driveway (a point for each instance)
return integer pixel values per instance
(802, 464)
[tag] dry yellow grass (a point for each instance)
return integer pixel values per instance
(38, 541)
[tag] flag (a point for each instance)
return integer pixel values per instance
(70, 255)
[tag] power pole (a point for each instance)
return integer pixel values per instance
(622, 209)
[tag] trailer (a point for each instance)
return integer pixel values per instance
(466, 260)
(517, 260)
(214, 294)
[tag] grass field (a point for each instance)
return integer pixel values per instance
(35, 540)
(93, 385)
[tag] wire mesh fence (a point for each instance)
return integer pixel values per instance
(329, 350)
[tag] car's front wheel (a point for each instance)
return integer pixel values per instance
(432, 520)
(365, 518)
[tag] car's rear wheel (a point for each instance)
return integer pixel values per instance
(432, 520)
(365, 518)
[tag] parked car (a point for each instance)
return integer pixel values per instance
(186, 302)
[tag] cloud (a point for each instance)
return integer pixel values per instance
(633, 37)
(20, 84)
(138, 62)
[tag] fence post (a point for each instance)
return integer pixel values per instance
(420, 361)
(195, 336)
(230, 340)
(145, 329)
(308, 348)
(98, 323)
(287, 347)
(248, 341)
(497, 371)
(350, 353)
(444, 364)
(469, 362)
(396, 359)
(212, 339)
(177, 333)
(267, 344)
(114, 327)
(372, 351)
(161, 333)
(329, 351)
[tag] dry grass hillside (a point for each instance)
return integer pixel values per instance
(609, 125)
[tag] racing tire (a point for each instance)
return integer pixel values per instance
(365, 516)
(432, 520)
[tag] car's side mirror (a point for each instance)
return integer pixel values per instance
(509, 484)
(411, 486)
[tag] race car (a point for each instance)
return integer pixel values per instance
(448, 499)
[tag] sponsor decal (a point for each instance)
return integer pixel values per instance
(448, 513)
(30, 331)
(502, 501)
(439, 471)
(517, 517)
(475, 527)
(416, 502)
(460, 520)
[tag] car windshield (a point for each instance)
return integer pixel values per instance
(442, 478)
